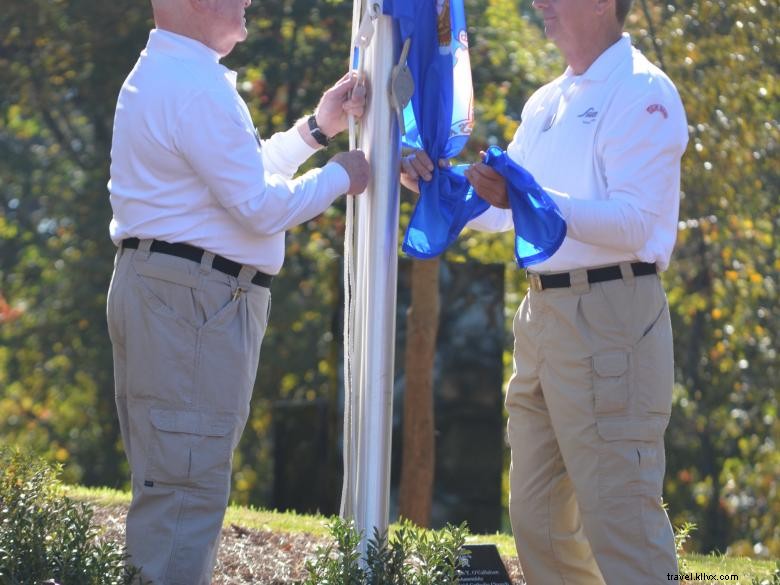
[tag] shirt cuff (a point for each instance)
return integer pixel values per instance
(294, 146)
(493, 219)
(336, 176)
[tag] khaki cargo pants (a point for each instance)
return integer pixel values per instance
(588, 404)
(186, 349)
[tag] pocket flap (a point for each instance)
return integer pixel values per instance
(609, 365)
(191, 422)
(625, 428)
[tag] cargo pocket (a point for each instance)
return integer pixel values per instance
(610, 382)
(631, 460)
(189, 449)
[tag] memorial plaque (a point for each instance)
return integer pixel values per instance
(482, 565)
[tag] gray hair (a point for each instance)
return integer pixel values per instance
(621, 8)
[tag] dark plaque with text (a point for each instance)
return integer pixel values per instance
(482, 565)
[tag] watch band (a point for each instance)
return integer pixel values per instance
(316, 133)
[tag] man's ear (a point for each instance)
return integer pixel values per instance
(199, 6)
(603, 7)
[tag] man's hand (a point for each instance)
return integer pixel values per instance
(356, 165)
(337, 103)
(416, 166)
(489, 184)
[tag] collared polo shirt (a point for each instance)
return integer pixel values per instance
(617, 133)
(187, 164)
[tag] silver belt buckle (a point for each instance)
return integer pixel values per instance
(534, 282)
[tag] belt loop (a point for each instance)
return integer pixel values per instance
(144, 249)
(579, 281)
(534, 281)
(206, 262)
(245, 276)
(627, 273)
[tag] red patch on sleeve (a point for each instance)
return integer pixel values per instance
(657, 108)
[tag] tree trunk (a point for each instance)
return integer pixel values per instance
(418, 456)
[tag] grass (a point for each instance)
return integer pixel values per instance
(247, 517)
(746, 569)
(260, 519)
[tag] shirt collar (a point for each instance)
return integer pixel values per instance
(179, 46)
(610, 59)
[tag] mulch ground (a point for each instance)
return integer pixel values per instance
(260, 557)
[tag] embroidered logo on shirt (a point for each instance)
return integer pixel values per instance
(657, 108)
(588, 116)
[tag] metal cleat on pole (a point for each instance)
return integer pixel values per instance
(401, 86)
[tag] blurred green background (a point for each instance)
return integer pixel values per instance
(61, 66)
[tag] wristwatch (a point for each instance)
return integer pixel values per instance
(316, 133)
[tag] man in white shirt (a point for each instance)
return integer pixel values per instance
(201, 206)
(591, 392)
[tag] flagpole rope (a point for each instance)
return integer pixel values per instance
(362, 31)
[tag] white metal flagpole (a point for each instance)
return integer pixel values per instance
(374, 296)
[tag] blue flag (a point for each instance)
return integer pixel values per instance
(539, 226)
(439, 120)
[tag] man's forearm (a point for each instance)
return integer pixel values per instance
(612, 223)
(284, 152)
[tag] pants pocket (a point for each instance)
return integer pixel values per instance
(167, 290)
(190, 449)
(172, 287)
(631, 456)
(610, 382)
(653, 367)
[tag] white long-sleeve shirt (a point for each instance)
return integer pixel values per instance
(187, 164)
(606, 145)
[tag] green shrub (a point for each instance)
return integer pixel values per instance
(412, 556)
(47, 537)
(773, 579)
(681, 536)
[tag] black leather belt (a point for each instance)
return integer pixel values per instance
(195, 254)
(540, 282)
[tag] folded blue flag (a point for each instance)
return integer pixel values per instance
(439, 120)
(447, 203)
(539, 226)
